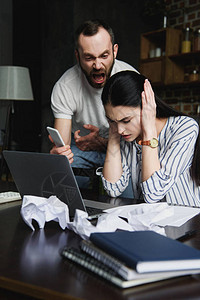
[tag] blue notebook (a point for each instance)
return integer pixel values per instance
(148, 251)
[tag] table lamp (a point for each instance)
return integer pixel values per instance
(15, 85)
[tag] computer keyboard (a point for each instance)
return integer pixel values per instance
(93, 210)
(9, 196)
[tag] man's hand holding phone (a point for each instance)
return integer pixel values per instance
(60, 147)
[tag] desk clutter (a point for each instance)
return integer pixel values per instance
(135, 217)
(29, 261)
(123, 247)
(128, 259)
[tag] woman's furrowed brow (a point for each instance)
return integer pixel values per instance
(121, 120)
(109, 119)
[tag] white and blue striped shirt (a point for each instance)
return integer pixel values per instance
(173, 181)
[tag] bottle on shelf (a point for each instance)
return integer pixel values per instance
(187, 40)
(197, 40)
(198, 110)
(194, 76)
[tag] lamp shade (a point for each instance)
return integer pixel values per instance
(15, 83)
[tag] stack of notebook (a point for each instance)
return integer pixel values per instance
(133, 258)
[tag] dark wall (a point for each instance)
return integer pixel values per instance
(43, 41)
(125, 17)
(26, 125)
(57, 54)
(56, 41)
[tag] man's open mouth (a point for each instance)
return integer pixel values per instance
(99, 78)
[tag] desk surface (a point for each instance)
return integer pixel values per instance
(30, 265)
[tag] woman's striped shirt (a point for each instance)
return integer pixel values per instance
(173, 181)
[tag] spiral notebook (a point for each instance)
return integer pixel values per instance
(96, 266)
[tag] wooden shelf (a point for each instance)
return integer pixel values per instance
(153, 59)
(178, 84)
(186, 55)
(170, 68)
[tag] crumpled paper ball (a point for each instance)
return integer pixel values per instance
(44, 210)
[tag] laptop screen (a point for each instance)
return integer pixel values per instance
(44, 174)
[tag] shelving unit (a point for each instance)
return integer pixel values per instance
(171, 66)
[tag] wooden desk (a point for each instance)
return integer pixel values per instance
(31, 267)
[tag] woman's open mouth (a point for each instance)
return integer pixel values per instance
(126, 136)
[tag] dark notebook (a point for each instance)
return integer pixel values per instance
(148, 251)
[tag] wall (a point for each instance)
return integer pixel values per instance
(5, 32)
(125, 17)
(5, 51)
(184, 13)
(27, 53)
(57, 27)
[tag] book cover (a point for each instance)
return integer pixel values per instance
(148, 251)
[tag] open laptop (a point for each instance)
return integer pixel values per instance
(44, 174)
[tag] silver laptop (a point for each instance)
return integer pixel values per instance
(44, 174)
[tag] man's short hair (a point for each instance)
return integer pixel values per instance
(90, 28)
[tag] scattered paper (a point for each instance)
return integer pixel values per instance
(139, 217)
(129, 217)
(106, 223)
(180, 215)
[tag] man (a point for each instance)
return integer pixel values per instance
(76, 97)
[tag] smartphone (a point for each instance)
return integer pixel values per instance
(55, 135)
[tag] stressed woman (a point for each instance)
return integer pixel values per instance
(149, 142)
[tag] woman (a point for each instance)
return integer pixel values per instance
(149, 142)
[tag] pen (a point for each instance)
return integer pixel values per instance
(186, 236)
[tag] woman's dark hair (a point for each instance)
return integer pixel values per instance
(125, 88)
(90, 28)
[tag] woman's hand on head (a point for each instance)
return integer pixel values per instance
(148, 113)
(113, 131)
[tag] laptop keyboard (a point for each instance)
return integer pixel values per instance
(93, 211)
